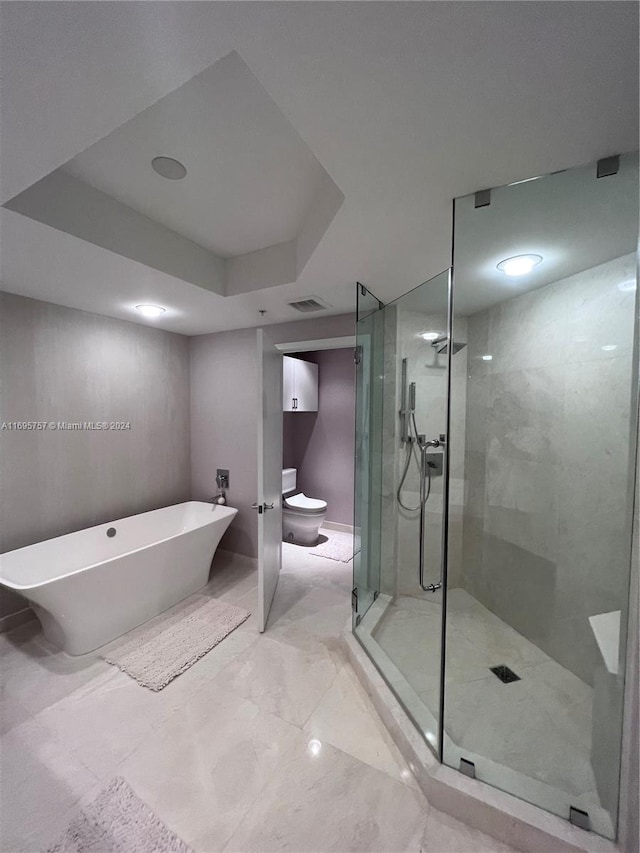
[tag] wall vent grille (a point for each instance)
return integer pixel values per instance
(313, 303)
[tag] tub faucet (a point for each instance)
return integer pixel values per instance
(222, 482)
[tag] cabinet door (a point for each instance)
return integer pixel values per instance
(306, 386)
(288, 383)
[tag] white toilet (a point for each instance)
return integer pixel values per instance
(302, 517)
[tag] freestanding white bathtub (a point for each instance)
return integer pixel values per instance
(89, 587)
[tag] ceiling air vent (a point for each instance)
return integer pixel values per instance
(313, 303)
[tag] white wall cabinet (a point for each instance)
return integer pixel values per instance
(299, 385)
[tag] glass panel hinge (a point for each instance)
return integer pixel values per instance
(580, 818)
(608, 166)
(468, 768)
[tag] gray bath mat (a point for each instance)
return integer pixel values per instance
(339, 546)
(117, 821)
(156, 652)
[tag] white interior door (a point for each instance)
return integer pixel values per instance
(269, 502)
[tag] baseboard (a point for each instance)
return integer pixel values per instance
(337, 525)
(12, 620)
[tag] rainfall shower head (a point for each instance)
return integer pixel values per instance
(441, 346)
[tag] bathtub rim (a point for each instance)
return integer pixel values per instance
(233, 511)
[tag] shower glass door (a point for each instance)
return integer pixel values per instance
(495, 483)
(403, 423)
(368, 456)
(543, 439)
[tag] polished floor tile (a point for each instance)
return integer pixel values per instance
(346, 719)
(281, 679)
(328, 800)
(35, 675)
(209, 763)
(40, 781)
(268, 742)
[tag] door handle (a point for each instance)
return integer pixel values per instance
(262, 507)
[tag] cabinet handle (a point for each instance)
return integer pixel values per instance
(295, 403)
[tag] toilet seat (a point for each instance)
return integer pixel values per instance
(302, 503)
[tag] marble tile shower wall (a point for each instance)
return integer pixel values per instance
(545, 541)
(428, 370)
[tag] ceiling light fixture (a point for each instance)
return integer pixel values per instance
(487, 358)
(609, 347)
(315, 746)
(628, 286)
(150, 310)
(431, 336)
(519, 264)
(169, 168)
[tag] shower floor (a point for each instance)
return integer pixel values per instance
(531, 737)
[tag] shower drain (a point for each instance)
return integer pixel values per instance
(505, 674)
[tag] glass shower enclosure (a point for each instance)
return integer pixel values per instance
(496, 447)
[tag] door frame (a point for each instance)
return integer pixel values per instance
(313, 345)
(344, 342)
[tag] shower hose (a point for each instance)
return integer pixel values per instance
(425, 491)
(412, 444)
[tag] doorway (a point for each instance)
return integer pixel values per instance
(311, 437)
(318, 450)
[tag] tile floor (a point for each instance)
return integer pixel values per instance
(483, 715)
(267, 743)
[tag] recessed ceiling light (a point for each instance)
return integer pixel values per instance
(628, 286)
(150, 310)
(431, 336)
(519, 265)
(609, 347)
(169, 168)
(315, 746)
(487, 358)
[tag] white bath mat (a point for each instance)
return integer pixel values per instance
(339, 546)
(156, 652)
(117, 821)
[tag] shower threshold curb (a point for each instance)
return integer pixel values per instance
(496, 813)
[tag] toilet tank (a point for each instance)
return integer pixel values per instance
(289, 480)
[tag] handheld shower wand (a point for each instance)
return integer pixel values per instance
(415, 443)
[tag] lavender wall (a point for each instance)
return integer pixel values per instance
(223, 414)
(321, 444)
